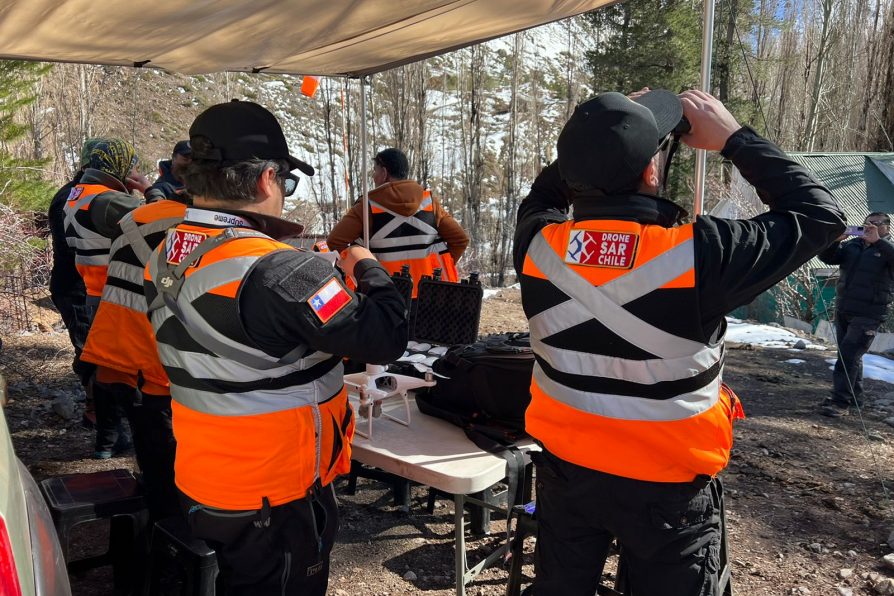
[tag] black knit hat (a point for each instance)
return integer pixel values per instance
(609, 140)
(239, 131)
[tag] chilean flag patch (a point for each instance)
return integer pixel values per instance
(329, 300)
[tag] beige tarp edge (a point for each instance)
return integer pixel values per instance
(325, 37)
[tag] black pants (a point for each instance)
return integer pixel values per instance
(855, 335)
(272, 551)
(669, 532)
(76, 317)
(155, 447)
(110, 400)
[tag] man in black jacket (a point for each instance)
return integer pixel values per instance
(865, 289)
(626, 310)
(169, 185)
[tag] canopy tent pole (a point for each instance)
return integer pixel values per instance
(701, 155)
(363, 172)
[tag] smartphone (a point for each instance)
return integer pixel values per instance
(854, 230)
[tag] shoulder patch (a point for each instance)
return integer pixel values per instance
(329, 300)
(76, 192)
(179, 243)
(614, 250)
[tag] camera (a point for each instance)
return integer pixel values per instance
(853, 230)
(682, 127)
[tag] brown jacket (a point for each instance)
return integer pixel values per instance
(402, 197)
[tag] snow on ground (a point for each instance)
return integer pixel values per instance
(764, 335)
(491, 292)
(874, 367)
(795, 361)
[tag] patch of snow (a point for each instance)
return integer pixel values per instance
(795, 361)
(874, 367)
(764, 335)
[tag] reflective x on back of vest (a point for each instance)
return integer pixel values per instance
(681, 432)
(396, 237)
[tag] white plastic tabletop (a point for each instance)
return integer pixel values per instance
(432, 452)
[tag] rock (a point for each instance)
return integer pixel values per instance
(889, 421)
(845, 592)
(874, 435)
(885, 586)
(801, 590)
(410, 576)
(845, 573)
(800, 345)
(888, 560)
(815, 547)
(853, 553)
(891, 539)
(64, 407)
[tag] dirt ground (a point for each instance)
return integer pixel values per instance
(807, 503)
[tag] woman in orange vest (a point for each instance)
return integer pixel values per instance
(626, 310)
(251, 333)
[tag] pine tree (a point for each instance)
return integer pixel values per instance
(22, 184)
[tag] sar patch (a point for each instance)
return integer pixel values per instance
(180, 243)
(329, 300)
(614, 250)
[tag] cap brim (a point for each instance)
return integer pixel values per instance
(297, 164)
(666, 108)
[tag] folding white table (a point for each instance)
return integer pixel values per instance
(438, 454)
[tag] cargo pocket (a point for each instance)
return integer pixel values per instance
(683, 515)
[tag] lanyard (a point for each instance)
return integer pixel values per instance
(215, 218)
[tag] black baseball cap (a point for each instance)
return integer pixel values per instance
(609, 140)
(241, 130)
(182, 148)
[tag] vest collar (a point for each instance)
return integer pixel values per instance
(644, 209)
(274, 227)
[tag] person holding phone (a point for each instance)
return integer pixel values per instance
(865, 289)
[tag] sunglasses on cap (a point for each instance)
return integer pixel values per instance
(289, 183)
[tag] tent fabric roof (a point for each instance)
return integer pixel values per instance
(321, 37)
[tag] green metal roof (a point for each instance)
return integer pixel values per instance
(862, 182)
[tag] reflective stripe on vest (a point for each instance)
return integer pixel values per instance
(84, 239)
(678, 358)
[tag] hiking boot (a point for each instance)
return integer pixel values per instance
(833, 409)
(102, 455)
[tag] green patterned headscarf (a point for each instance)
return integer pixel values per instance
(114, 157)
(89, 144)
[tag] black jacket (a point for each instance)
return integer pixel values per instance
(166, 186)
(866, 276)
(66, 283)
(735, 260)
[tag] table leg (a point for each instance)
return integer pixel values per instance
(459, 503)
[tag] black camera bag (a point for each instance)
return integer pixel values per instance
(484, 386)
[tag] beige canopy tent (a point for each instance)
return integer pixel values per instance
(323, 37)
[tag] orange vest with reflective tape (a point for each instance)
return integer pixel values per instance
(121, 337)
(248, 425)
(623, 381)
(91, 248)
(397, 240)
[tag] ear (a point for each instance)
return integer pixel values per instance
(651, 177)
(267, 185)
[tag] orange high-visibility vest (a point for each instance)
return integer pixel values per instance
(248, 425)
(121, 337)
(397, 240)
(613, 388)
(91, 248)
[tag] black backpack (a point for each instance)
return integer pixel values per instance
(484, 386)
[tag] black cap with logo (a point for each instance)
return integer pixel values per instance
(609, 140)
(242, 130)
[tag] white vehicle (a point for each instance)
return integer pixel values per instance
(31, 562)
